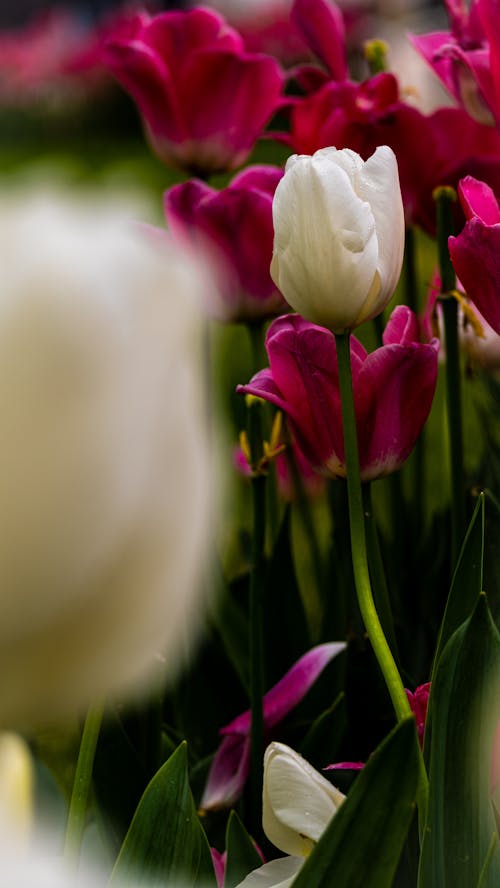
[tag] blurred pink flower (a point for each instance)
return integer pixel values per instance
(475, 252)
(236, 227)
(393, 391)
(231, 764)
(204, 100)
(467, 58)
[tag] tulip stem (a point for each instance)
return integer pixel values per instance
(256, 644)
(81, 785)
(364, 593)
(445, 198)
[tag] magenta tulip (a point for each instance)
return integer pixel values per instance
(231, 764)
(204, 99)
(418, 700)
(475, 252)
(393, 391)
(236, 226)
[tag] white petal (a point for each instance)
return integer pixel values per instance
(298, 802)
(378, 183)
(275, 874)
(325, 247)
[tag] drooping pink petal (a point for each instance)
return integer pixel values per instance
(321, 24)
(290, 690)
(228, 773)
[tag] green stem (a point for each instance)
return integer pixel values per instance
(256, 644)
(81, 786)
(445, 198)
(359, 554)
(418, 458)
(377, 572)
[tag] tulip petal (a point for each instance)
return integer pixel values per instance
(322, 26)
(393, 398)
(263, 177)
(291, 689)
(378, 183)
(228, 773)
(298, 802)
(478, 199)
(401, 328)
(475, 254)
(278, 873)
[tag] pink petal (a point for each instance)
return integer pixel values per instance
(478, 199)
(181, 204)
(345, 766)
(475, 255)
(290, 690)
(393, 397)
(402, 327)
(228, 773)
(219, 862)
(262, 177)
(322, 26)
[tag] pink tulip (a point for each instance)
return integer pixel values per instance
(466, 59)
(236, 227)
(204, 100)
(475, 252)
(393, 391)
(231, 764)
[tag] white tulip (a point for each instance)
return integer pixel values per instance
(338, 235)
(104, 468)
(297, 806)
(298, 802)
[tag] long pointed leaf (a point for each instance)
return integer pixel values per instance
(465, 710)
(166, 840)
(363, 843)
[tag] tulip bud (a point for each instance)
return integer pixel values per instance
(338, 235)
(298, 802)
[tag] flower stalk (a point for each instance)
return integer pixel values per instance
(364, 592)
(81, 785)
(445, 197)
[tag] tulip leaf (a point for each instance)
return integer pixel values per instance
(467, 580)
(363, 842)
(165, 840)
(465, 710)
(242, 855)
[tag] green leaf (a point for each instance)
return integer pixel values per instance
(467, 580)
(465, 709)
(363, 843)
(242, 855)
(166, 840)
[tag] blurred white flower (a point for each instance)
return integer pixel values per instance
(16, 790)
(104, 468)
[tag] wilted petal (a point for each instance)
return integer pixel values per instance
(298, 802)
